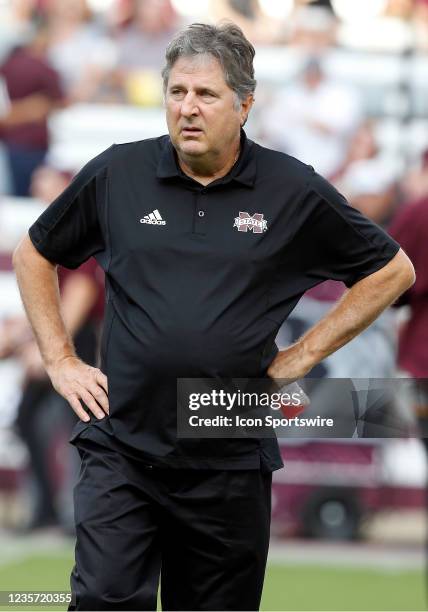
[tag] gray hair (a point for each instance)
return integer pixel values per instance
(226, 43)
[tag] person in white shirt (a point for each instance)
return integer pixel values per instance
(313, 119)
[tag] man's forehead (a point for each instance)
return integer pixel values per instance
(203, 68)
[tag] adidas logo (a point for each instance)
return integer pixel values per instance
(153, 218)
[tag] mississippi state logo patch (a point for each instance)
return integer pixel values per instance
(254, 223)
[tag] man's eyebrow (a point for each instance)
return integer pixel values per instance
(206, 90)
(200, 89)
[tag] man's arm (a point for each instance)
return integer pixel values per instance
(356, 310)
(78, 295)
(73, 379)
(32, 108)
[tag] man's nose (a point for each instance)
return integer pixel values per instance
(189, 106)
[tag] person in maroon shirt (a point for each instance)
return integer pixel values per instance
(34, 91)
(410, 228)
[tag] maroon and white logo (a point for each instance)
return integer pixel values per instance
(246, 222)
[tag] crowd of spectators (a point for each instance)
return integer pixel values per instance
(57, 54)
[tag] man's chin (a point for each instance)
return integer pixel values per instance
(192, 148)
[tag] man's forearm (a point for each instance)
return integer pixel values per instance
(38, 284)
(353, 313)
(357, 309)
(75, 380)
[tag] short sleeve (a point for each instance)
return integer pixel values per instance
(72, 228)
(340, 243)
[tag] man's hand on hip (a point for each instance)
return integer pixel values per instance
(77, 381)
(290, 364)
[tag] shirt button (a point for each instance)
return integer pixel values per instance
(201, 213)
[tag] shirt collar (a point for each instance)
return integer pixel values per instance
(243, 171)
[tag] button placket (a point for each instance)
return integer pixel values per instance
(200, 213)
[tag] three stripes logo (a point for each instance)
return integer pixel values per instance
(154, 218)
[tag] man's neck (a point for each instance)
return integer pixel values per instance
(206, 171)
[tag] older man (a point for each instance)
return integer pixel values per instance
(208, 241)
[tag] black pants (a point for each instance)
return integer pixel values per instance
(204, 532)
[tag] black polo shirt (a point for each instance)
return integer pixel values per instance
(199, 279)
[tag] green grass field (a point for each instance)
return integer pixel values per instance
(287, 587)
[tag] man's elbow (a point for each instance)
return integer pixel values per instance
(411, 275)
(26, 255)
(405, 275)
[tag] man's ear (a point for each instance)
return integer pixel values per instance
(245, 108)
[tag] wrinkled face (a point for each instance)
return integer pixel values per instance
(201, 109)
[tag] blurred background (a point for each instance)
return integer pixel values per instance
(343, 86)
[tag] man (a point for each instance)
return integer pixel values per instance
(208, 241)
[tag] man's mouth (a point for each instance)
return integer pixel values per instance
(191, 131)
